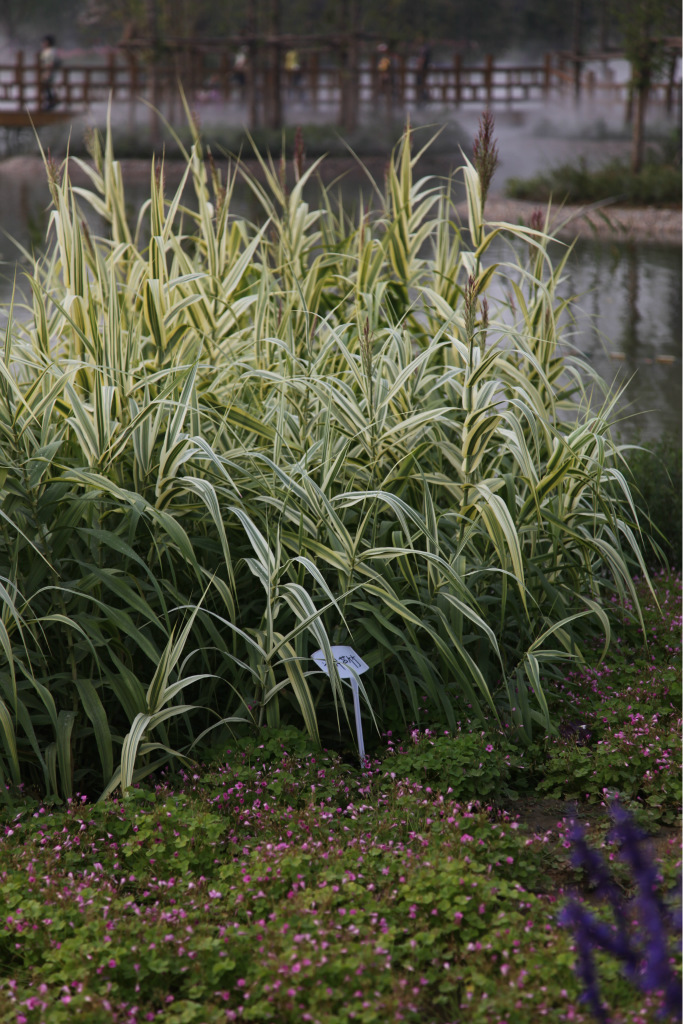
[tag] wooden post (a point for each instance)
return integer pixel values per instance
(134, 76)
(19, 78)
(488, 78)
(313, 80)
(348, 66)
(185, 67)
(342, 77)
(273, 84)
(199, 70)
(604, 26)
(252, 73)
(401, 61)
(174, 75)
(39, 84)
(576, 49)
(640, 102)
(133, 87)
(560, 73)
(190, 70)
(670, 84)
(354, 73)
(111, 73)
(224, 75)
(154, 71)
(628, 112)
(547, 74)
(252, 66)
(457, 69)
(343, 58)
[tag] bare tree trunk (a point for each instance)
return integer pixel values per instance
(576, 48)
(630, 334)
(273, 87)
(628, 110)
(154, 71)
(348, 70)
(8, 18)
(604, 26)
(640, 93)
(252, 67)
(670, 84)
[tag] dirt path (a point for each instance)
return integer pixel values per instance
(621, 223)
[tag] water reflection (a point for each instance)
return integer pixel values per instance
(628, 323)
(24, 210)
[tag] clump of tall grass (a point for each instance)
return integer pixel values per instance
(224, 445)
(657, 183)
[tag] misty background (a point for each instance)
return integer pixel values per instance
(503, 26)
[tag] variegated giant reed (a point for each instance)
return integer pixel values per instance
(224, 445)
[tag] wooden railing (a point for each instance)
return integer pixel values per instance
(77, 84)
(207, 77)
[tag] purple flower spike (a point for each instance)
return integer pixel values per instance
(576, 918)
(648, 966)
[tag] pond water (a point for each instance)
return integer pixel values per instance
(626, 323)
(629, 327)
(628, 315)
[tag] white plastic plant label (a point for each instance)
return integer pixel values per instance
(346, 660)
(349, 666)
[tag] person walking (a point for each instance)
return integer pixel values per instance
(385, 76)
(421, 69)
(49, 63)
(240, 70)
(293, 70)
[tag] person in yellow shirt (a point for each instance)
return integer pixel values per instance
(293, 70)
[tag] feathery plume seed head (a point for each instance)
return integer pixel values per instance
(299, 153)
(485, 153)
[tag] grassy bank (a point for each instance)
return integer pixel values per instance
(282, 884)
(224, 134)
(657, 480)
(657, 184)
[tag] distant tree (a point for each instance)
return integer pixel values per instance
(8, 18)
(161, 19)
(494, 27)
(645, 25)
(26, 21)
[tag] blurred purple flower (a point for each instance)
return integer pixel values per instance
(647, 964)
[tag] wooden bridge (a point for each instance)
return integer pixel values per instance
(342, 85)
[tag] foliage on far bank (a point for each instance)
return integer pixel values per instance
(657, 184)
(657, 481)
(225, 444)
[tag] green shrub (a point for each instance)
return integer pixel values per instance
(658, 485)
(622, 767)
(657, 183)
(383, 899)
(470, 765)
